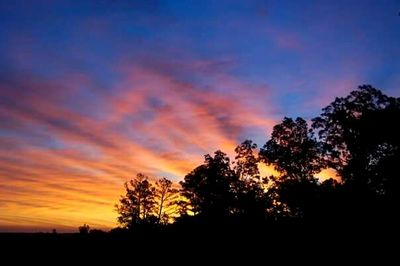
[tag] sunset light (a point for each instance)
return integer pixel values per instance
(94, 92)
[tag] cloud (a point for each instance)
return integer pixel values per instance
(69, 161)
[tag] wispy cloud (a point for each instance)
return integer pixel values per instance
(90, 98)
(63, 160)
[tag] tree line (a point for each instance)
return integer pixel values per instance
(356, 135)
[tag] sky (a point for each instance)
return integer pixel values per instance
(93, 92)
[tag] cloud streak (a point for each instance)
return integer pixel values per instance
(90, 98)
(64, 167)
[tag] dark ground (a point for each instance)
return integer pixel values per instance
(286, 244)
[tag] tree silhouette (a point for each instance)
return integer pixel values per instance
(166, 197)
(358, 136)
(208, 187)
(251, 201)
(361, 139)
(138, 204)
(246, 162)
(295, 153)
(293, 150)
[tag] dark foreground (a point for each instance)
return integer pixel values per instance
(284, 244)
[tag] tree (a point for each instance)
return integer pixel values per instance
(246, 162)
(295, 153)
(251, 202)
(138, 204)
(361, 141)
(209, 187)
(360, 136)
(293, 150)
(339, 124)
(166, 197)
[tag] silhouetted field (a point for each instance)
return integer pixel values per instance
(224, 239)
(220, 246)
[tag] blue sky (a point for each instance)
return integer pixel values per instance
(92, 92)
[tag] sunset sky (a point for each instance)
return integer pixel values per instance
(93, 92)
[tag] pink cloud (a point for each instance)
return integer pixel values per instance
(81, 180)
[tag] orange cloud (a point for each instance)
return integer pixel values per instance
(65, 165)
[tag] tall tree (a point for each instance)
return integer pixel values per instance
(251, 201)
(208, 187)
(246, 162)
(166, 197)
(360, 135)
(295, 154)
(293, 150)
(138, 204)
